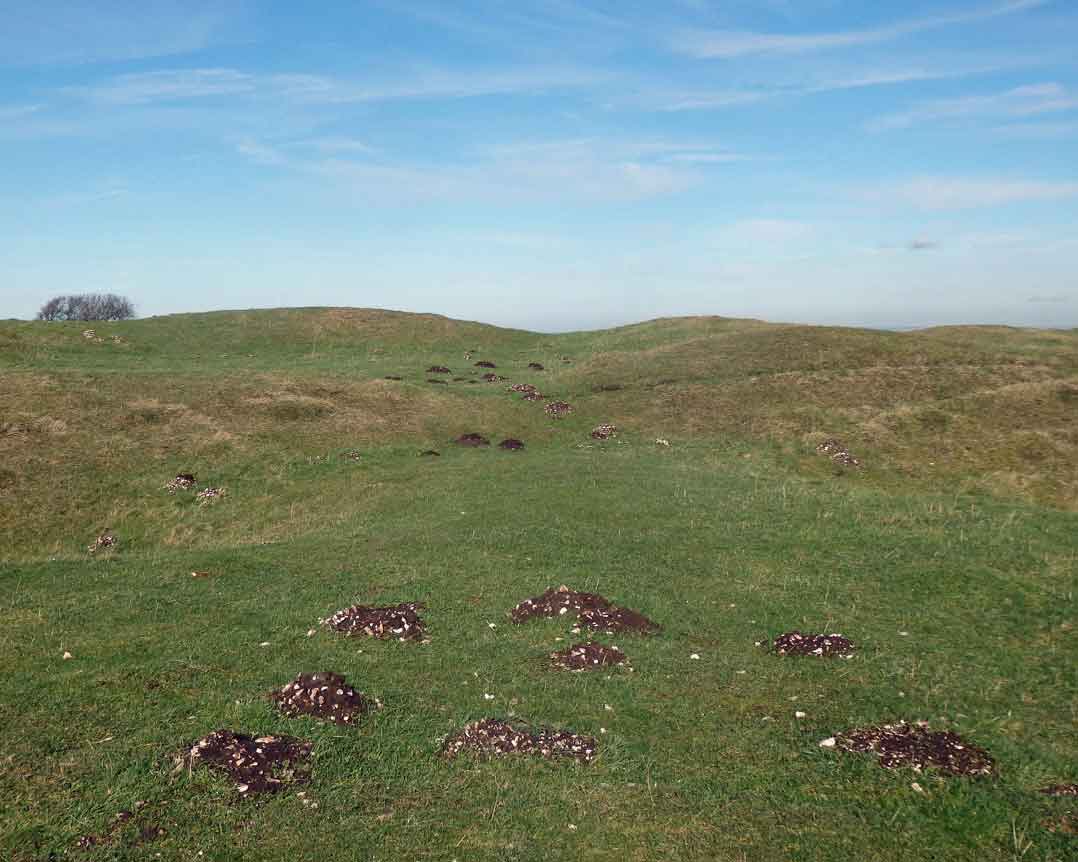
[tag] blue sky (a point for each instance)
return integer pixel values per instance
(550, 164)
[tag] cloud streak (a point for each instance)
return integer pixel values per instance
(1026, 101)
(730, 44)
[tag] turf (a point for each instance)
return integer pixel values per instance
(950, 559)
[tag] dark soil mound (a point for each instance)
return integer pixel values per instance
(473, 440)
(837, 453)
(535, 366)
(534, 396)
(587, 656)
(400, 622)
(916, 746)
(607, 387)
(557, 409)
(511, 443)
(430, 452)
(493, 378)
(827, 646)
(460, 379)
(604, 431)
(261, 765)
(615, 620)
(494, 737)
(1060, 790)
(438, 369)
(391, 377)
(106, 540)
(182, 482)
(521, 387)
(555, 603)
(352, 455)
(435, 380)
(323, 695)
(484, 364)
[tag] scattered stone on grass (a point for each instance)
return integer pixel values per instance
(473, 440)
(661, 441)
(323, 695)
(521, 387)
(105, 540)
(604, 431)
(915, 746)
(1060, 790)
(557, 602)
(430, 452)
(587, 656)
(482, 363)
(89, 333)
(837, 452)
(557, 409)
(438, 369)
(533, 396)
(263, 764)
(493, 378)
(352, 454)
(511, 443)
(392, 377)
(535, 366)
(181, 482)
(400, 622)
(495, 737)
(615, 620)
(208, 495)
(826, 646)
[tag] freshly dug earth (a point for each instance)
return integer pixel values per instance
(827, 646)
(438, 369)
(557, 409)
(400, 622)
(1060, 790)
(494, 737)
(535, 366)
(915, 746)
(614, 620)
(256, 765)
(604, 431)
(323, 695)
(511, 443)
(430, 452)
(521, 387)
(473, 440)
(482, 363)
(534, 396)
(493, 378)
(556, 602)
(391, 377)
(587, 656)
(207, 495)
(105, 540)
(435, 380)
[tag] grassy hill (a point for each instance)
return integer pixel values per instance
(950, 557)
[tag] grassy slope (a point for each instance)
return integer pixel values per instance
(960, 530)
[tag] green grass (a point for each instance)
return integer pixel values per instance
(733, 533)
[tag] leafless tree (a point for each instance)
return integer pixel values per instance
(87, 306)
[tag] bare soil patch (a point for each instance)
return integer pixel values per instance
(587, 656)
(533, 396)
(106, 540)
(557, 602)
(323, 695)
(119, 824)
(826, 646)
(536, 366)
(482, 363)
(393, 622)
(915, 746)
(615, 620)
(511, 443)
(263, 764)
(495, 737)
(392, 377)
(438, 369)
(493, 378)
(430, 452)
(521, 387)
(557, 409)
(473, 439)
(604, 431)
(209, 495)
(435, 380)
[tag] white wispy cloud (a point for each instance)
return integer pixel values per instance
(9, 113)
(1025, 101)
(171, 85)
(726, 44)
(954, 193)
